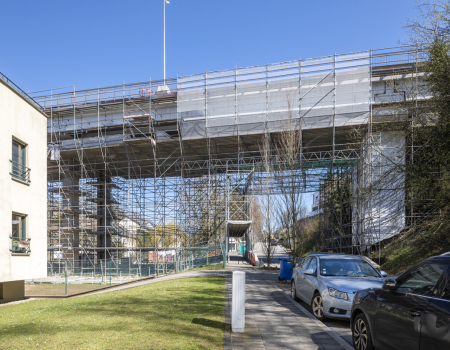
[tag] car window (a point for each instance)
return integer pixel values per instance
(444, 286)
(313, 265)
(422, 279)
(305, 263)
(346, 267)
(446, 292)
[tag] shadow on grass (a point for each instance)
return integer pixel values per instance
(209, 323)
(161, 312)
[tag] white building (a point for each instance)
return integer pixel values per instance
(23, 191)
(315, 208)
(130, 228)
(234, 244)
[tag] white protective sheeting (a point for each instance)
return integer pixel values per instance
(315, 93)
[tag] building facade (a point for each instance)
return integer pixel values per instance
(23, 191)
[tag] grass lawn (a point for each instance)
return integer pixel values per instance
(178, 314)
(60, 289)
(210, 267)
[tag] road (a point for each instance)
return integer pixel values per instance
(280, 252)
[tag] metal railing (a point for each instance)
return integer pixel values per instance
(20, 245)
(19, 90)
(63, 278)
(20, 172)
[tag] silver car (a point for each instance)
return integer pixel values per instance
(328, 282)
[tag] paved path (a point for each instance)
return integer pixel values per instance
(279, 252)
(273, 320)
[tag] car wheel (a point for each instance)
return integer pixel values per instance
(317, 307)
(293, 291)
(361, 335)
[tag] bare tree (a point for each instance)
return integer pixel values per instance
(257, 218)
(289, 180)
(430, 25)
(268, 201)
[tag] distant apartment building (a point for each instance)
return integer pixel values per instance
(23, 191)
(316, 205)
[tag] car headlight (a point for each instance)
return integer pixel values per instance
(337, 294)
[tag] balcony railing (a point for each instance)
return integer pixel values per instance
(20, 172)
(20, 245)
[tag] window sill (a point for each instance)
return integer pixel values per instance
(20, 181)
(21, 254)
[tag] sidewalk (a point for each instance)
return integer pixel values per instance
(272, 319)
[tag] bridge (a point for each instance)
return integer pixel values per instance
(182, 158)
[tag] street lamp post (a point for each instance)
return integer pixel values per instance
(164, 89)
(164, 76)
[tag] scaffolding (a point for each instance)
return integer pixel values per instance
(133, 172)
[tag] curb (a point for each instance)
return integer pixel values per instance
(17, 302)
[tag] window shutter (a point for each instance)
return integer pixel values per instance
(24, 227)
(24, 159)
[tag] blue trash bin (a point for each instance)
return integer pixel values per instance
(285, 270)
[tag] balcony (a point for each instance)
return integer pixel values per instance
(20, 245)
(19, 172)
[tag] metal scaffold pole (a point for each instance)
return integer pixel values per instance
(136, 175)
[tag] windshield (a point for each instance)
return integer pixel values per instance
(347, 267)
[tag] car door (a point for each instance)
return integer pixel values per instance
(300, 281)
(398, 313)
(310, 280)
(435, 328)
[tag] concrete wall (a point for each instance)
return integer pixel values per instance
(19, 119)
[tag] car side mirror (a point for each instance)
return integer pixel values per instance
(309, 272)
(383, 274)
(390, 284)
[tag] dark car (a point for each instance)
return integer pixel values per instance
(409, 312)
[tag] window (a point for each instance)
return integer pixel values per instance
(19, 241)
(422, 279)
(313, 265)
(346, 267)
(442, 290)
(19, 168)
(446, 292)
(305, 263)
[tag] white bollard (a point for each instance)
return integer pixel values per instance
(238, 302)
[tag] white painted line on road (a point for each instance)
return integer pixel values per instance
(320, 324)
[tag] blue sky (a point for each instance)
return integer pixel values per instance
(53, 43)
